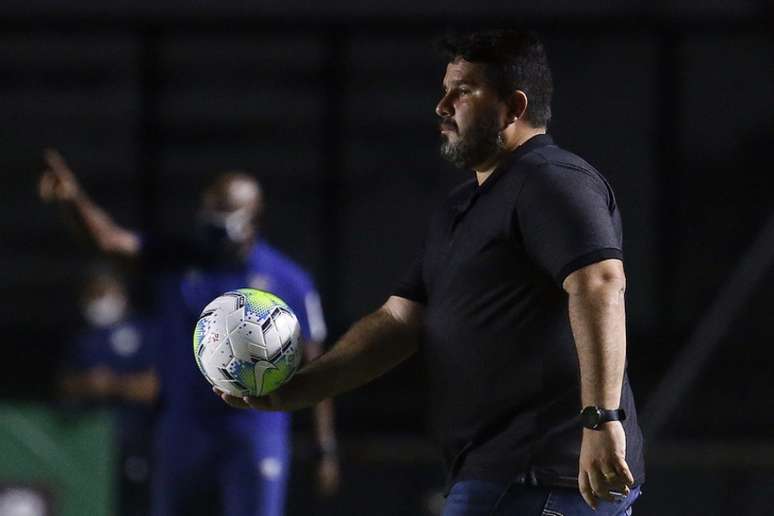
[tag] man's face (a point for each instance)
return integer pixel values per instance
(472, 116)
(104, 301)
(229, 214)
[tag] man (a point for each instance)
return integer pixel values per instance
(204, 451)
(112, 362)
(516, 302)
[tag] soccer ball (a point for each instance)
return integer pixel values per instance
(246, 342)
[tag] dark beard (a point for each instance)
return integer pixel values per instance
(477, 145)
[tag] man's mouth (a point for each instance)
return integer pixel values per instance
(447, 127)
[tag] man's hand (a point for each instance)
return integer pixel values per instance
(603, 469)
(272, 402)
(142, 387)
(328, 475)
(58, 183)
(101, 382)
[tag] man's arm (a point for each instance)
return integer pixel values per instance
(598, 320)
(100, 383)
(374, 345)
(323, 411)
(328, 469)
(96, 383)
(58, 183)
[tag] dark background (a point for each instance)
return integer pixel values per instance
(331, 106)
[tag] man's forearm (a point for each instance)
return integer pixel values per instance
(598, 320)
(597, 317)
(373, 346)
(100, 227)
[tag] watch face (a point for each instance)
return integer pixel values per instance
(591, 417)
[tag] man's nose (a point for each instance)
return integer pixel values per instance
(444, 109)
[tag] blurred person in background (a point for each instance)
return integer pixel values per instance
(111, 362)
(211, 459)
(516, 302)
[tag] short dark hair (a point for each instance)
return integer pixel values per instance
(515, 60)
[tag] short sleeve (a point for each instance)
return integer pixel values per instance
(568, 219)
(412, 285)
(315, 322)
(306, 304)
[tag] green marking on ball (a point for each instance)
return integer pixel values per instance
(261, 301)
(247, 377)
(275, 377)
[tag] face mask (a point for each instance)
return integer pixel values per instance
(233, 227)
(105, 311)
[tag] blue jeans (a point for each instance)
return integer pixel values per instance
(478, 498)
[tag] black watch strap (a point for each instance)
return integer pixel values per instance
(593, 417)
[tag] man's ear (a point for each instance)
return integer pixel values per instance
(517, 106)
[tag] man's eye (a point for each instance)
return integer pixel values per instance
(464, 92)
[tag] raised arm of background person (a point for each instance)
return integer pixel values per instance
(372, 346)
(598, 321)
(58, 183)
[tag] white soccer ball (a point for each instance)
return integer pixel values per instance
(247, 342)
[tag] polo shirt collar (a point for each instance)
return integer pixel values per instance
(536, 142)
(473, 191)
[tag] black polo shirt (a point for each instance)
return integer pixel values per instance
(499, 349)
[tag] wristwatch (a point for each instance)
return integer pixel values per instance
(593, 417)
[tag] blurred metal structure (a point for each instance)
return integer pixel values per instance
(714, 325)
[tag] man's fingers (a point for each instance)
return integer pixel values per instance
(616, 483)
(56, 161)
(58, 181)
(623, 470)
(599, 486)
(46, 186)
(60, 169)
(232, 401)
(244, 402)
(586, 491)
(257, 403)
